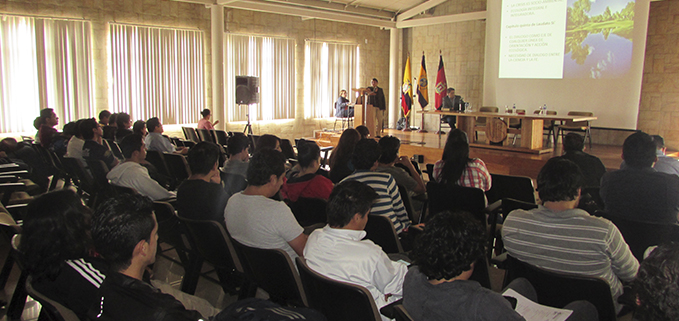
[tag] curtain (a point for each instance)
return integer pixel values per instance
(273, 61)
(157, 72)
(328, 68)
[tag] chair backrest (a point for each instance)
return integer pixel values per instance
(407, 202)
(222, 137)
(309, 211)
(557, 289)
(233, 183)
(456, 198)
(570, 123)
(170, 228)
(157, 159)
(640, 235)
(54, 310)
(114, 148)
(506, 186)
(481, 121)
(213, 243)
(177, 166)
(190, 134)
(430, 172)
(205, 135)
(381, 230)
(75, 168)
(338, 301)
(401, 314)
(274, 271)
(287, 149)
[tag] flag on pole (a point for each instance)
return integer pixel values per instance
(441, 85)
(407, 90)
(422, 84)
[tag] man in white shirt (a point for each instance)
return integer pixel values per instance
(339, 251)
(256, 220)
(132, 175)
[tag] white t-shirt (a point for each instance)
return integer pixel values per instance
(258, 221)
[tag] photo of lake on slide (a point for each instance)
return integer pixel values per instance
(598, 39)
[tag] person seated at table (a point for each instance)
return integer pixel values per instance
(340, 159)
(307, 182)
(451, 102)
(456, 167)
(342, 108)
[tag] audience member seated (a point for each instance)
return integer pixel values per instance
(139, 128)
(456, 167)
(132, 174)
(125, 233)
(204, 123)
(411, 180)
(342, 106)
(104, 116)
(656, 285)
(110, 130)
(306, 182)
(558, 237)
(91, 132)
(201, 196)
(156, 141)
(363, 131)
(74, 147)
(256, 220)
(638, 192)
(341, 252)
(664, 164)
(389, 202)
(268, 141)
(340, 159)
(437, 285)
(46, 131)
(239, 155)
(123, 124)
(60, 140)
(591, 166)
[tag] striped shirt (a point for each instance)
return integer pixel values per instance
(571, 242)
(87, 271)
(474, 175)
(389, 202)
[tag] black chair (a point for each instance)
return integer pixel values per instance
(407, 202)
(54, 310)
(309, 211)
(401, 313)
(273, 271)
(381, 230)
(87, 187)
(286, 148)
(338, 301)
(190, 134)
(506, 186)
(222, 137)
(177, 166)
(444, 197)
(157, 159)
(640, 235)
(233, 183)
(114, 148)
(557, 289)
(205, 135)
(507, 205)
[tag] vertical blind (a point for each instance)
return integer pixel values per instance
(270, 59)
(157, 72)
(328, 68)
(44, 63)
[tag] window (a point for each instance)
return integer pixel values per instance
(44, 63)
(329, 68)
(270, 59)
(157, 72)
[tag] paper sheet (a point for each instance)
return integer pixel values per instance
(532, 311)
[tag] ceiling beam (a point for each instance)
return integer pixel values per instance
(205, 2)
(339, 7)
(418, 9)
(469, 16)
(270, 7)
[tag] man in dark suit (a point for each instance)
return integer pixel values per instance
(376, 99)
(451, 102)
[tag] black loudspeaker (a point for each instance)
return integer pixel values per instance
(247, 90)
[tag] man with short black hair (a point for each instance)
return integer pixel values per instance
(638, 192)
(411, 180)
(132, 174)
(201, 197)
(656, 285)
(377, 100)
(389, 203)
(559, 237)
(93, 149)
(256, 220)
(664, 164)
(591, 166)
(104, 116)
(451, 102)
(156, 141)
(340, 252)
(239, 154)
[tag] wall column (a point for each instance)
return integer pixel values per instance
(394, 85)
(217, 35)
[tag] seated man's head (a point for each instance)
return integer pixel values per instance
(90, 129)
(449, 246)
(238, 147)
(56, 228)
(267, 169)
(309, 154)
(123, 120)
(559, 180)
(573, 142)
(113, 120)
(657, 285)
(451, 93)
(268, 141)
(139, 128)
(366, 154)
(659, 143)
(153, 125)
(389, 146)
(349, 204)
(638, 150)
(363, 131)
(203, 158)
(133, 147)
(8, 145)
(125, 232)
(104, 116)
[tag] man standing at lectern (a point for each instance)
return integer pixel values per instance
(376, 99)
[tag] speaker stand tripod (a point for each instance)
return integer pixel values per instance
(248, 127)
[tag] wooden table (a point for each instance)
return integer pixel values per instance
(531, 128)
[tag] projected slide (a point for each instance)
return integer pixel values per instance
(555, 39)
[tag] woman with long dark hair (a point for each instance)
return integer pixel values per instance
(457, 168)
(340, 159)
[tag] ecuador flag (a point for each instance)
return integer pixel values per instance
(422, 84)
(407, 90)
(441, 85)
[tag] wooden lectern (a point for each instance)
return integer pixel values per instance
(364, 114)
